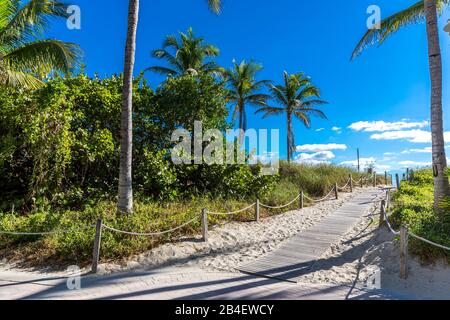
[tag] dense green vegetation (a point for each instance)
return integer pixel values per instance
(413, 207)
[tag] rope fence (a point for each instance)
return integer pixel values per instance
(233, 212)
(404, 234)
(99, 226)
(46, 233)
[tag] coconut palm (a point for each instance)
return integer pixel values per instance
(125, 194)
(423, 10)
(25, 59)
(190, 55)
(298, 98)
(244, 89)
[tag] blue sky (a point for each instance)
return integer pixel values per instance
(389, 83)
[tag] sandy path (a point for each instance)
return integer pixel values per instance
(234, 243)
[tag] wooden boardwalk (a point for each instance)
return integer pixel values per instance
(297, 255)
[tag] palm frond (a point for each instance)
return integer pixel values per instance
(162, 71)
(278, 93)
(43, 56)
(315, 112)
(390, 25)
(303, 117)
(215, 6)
(187, 52)
(31, 20)
(269, 111)
(19, 79)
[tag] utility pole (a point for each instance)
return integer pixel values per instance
(357, 152)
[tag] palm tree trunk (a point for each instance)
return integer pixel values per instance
(125, 199)
(441, 184)
(241, 122)
(289, 137)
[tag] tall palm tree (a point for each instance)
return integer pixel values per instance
(25, 59)
(423, 10)
(298, 98)
(245, 89)
(190, 55)
(125, 195)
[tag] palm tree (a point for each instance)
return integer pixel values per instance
(423, 10)
(190, 55)
(244, 89)
(298, 98)
(25, 60)
(125, 196)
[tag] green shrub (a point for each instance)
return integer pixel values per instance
(413, 207)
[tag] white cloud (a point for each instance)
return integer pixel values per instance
(337, 129)
(266, 157)
(423, 150)
(320, 147)
(382, 167)
(382, 126)
(364, 162)
(315, 158)
(415, 163)
(415, 136)
(320, 129)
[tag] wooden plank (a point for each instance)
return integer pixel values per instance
(295, 257)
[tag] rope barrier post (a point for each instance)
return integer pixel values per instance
(385, 178)
(397, 179)
(257, 211)
(205, 225)
(301, 201)
(97, 243)
(374, 179)
(336, 191)
(351, 183)
(403, 252)
(382, 213)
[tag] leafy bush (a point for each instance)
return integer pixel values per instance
(413, 207)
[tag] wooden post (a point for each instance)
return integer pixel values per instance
(205, 225)
(97, 244)
(336, 191)
(403, 252)
(382, 212)
(257, 211)
(385, 178)
(374, 179)
(407, 174)
(351, 182)
(397, 179)
(302, 199)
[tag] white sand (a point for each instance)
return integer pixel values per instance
(351, 261)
